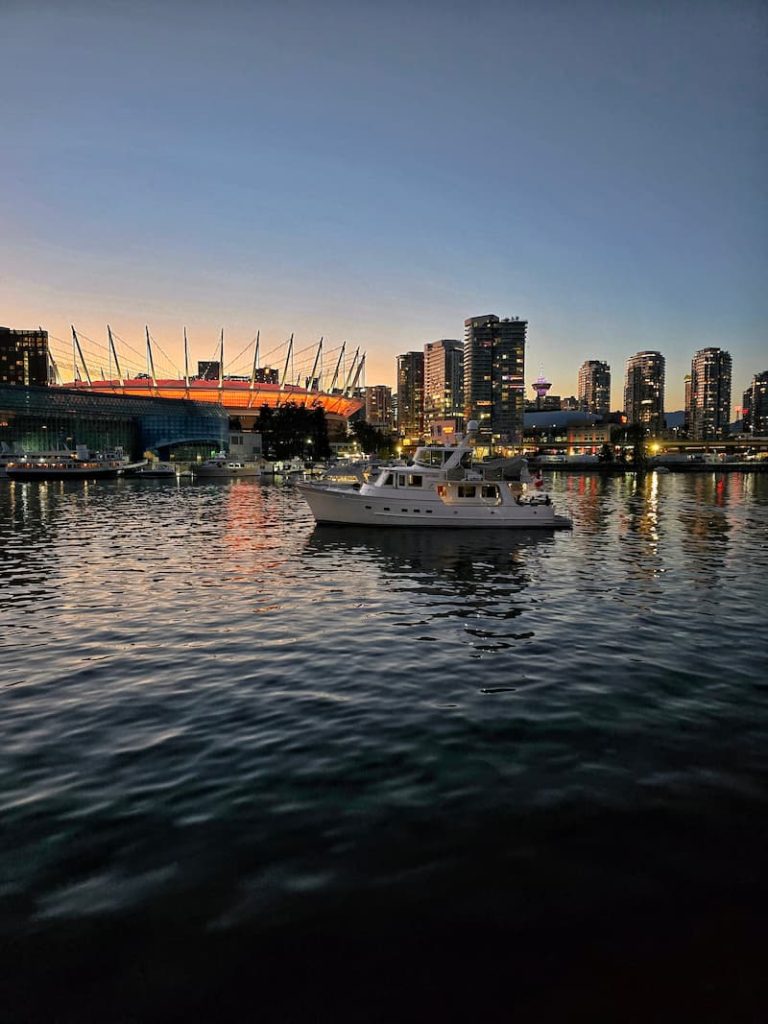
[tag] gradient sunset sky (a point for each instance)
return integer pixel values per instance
(378, 172)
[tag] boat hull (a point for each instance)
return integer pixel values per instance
(226, 474)
(348, 507)
(61, 474)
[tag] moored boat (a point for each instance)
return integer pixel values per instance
(220, 467)
(442, 488)
(68, 465)
(156, 471)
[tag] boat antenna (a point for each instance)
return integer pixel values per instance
(221, 361)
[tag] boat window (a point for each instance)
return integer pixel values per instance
(467, 490)
(401, 479)
(415, 480)
(490, 491)
(389, 479)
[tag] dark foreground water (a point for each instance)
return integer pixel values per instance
(254, 770)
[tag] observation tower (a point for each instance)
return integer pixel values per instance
(541, 386)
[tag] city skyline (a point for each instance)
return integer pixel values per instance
(240, 350)
(217, 168)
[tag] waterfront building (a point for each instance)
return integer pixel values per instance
(644, 391)
(755, 406)
(39, 418)
(410, 394)
(543, 403)
(710, 401)
(443, 381)
(24, 357)
(378, 407)
(494, 376)
(567, 433)
(570, 404)
(594, 387)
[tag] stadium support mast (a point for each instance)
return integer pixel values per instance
(336, 371)
(150, 360)
(255, 361)
(114, 355)
(76, 343)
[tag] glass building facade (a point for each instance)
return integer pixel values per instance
(755, 409)
(410, 394)
(710, 398)
(443, 381)
(644, 391)
(494, 376)
(23, 356)
(41, 418)
(594, 387)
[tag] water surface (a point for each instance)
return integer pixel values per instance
(250, 767)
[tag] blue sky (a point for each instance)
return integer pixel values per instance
(378, 172)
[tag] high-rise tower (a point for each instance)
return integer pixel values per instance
(494, 372)
(23, 356)
(378, 406)
(594, 387)
(443, 381)
(756, 406)
(410, 394)
(644, 391)
(710, 394)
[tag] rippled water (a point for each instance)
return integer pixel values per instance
(258, 769)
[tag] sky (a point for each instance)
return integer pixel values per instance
(378, 172)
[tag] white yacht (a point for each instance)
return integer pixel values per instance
(442, 488)
(222, 467)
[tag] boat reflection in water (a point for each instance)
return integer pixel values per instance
(464, 566)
